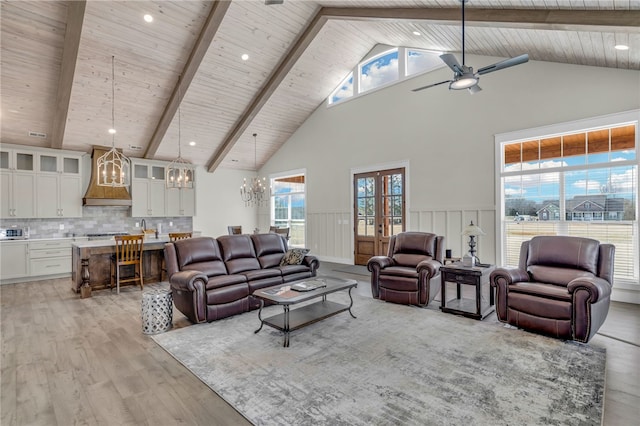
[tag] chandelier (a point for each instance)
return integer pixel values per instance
(255, 192)
(179, 172)
(114, 168)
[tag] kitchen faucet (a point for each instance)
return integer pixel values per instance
(143, 225)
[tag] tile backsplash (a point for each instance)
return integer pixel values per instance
(98, 219)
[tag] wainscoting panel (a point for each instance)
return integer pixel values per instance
(330, 234)
(451, 223)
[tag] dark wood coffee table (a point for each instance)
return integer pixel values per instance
(291, 320)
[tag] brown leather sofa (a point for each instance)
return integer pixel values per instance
(214, 278)
(561, 287)
(410, 273)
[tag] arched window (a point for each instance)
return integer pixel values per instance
(389, 67)
(379, 71)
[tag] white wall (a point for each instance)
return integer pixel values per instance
(448, 139)
(218, 202)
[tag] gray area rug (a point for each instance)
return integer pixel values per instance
(393, 365)
(353, 269)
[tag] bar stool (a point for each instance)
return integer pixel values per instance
(234, 230)
(282, 231)
(175, 236)
(128, 252)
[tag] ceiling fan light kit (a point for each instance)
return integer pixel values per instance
(465, 81)
(463, 75)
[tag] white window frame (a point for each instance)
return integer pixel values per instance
(610, 120)
(290, 173)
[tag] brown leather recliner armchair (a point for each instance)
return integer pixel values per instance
(410, 273)
(561, 287)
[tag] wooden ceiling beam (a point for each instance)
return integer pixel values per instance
(209, 30)
(281, 71)
(583, 20)
(75, 19)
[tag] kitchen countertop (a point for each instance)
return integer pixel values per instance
(164, 238)
(77, 238)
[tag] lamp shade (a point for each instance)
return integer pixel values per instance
(472, 229)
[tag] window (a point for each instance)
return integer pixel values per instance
(288, 208)
(419, 61)
(379, 71)
(345, 90)
(583, 182)
(391, 66)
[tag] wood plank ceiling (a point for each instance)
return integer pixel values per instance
(56, 63)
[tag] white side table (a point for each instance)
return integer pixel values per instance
(157, 311)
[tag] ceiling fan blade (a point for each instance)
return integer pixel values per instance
(452, 62)
(474, 89)
(516, 60)
(430, 85)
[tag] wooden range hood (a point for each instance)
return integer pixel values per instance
(103, 195)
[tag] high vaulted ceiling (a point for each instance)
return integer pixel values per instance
(56, 63)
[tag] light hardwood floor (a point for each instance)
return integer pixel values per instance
(67, 360)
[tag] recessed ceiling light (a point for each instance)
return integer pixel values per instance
(112, 131)
(192, 143)
(244, 56)
(621, 47)
(148, 18)
(417, 33)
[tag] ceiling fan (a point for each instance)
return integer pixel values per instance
(463, 76)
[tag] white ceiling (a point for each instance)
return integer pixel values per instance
(56, 63)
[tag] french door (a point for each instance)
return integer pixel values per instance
(379, 211)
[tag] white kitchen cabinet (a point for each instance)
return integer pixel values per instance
(17, 183)
(14, 259)
(49, 257)
(181, 202)
(18, 194)
(17, 160)
(59, 186)
(148, 192)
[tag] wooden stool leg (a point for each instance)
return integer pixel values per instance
(117, 279)
(141, 275)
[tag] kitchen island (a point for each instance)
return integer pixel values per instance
(91, 262)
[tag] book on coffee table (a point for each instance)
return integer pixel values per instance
(308, 285)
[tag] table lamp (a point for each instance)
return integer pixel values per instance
(472, 231)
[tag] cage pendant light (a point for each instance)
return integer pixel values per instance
(114, 168)
(254, 192)
(180, 172)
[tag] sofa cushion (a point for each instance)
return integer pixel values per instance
(259, 274)
(293, 269)
(558, 276)
(200, 254)
(409, 260)
(569, 252)
(225, 280)
(269, 249)
(238, 253)
(399, 271)
(415, 243)
(294, 256)
(541, 290)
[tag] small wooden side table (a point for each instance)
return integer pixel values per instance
(464, 275)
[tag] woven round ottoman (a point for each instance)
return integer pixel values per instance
(157, 311)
